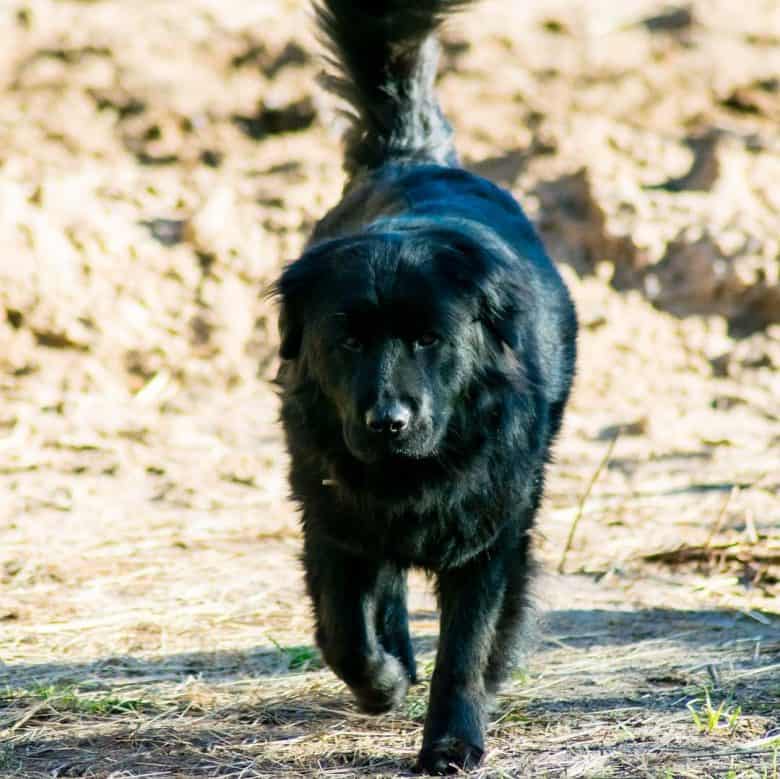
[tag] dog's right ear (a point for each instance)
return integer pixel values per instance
(295, 290)
(288, 293)
(290, 332)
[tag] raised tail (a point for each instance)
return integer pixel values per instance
(384, 56)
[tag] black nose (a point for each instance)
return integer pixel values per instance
(391, 418)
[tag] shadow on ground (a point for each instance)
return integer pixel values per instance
(571, 628)
(248, 709)
(604, 627)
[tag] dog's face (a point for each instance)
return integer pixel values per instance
(393, 331)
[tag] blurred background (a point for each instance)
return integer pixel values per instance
(161, 160)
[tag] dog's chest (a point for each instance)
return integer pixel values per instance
(436, 539)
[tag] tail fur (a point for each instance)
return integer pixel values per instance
(384, 56)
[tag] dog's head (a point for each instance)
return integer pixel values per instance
(394, 328)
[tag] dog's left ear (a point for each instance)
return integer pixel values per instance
(485, 273)
(501, 308)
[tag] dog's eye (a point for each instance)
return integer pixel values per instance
(426, 340)
(352, 344)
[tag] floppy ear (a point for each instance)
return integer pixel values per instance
(291, 291)
(500, 310)
(290, 331)
(483, 270)
(295, 290)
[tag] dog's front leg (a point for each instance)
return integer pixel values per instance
(471, 598)
(346, 591)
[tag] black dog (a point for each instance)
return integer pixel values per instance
(428, 347)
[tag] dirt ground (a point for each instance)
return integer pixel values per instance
(159, 162)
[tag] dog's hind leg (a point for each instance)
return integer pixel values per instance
(345, 591)
(392, 620)
(514, 607)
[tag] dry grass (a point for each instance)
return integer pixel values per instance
(590, 705)
(152, 618)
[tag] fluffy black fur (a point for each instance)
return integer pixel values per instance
(428, 348)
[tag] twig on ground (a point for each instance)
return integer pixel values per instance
(583, 500)
(732, 493)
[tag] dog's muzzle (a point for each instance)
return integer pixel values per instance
(389, 419)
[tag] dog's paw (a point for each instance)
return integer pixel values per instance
(448, 755)
(386, 687)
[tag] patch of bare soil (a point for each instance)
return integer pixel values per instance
(159, 162)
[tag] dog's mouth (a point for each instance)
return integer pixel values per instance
(372, 449)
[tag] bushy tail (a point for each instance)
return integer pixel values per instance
(384, 56)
